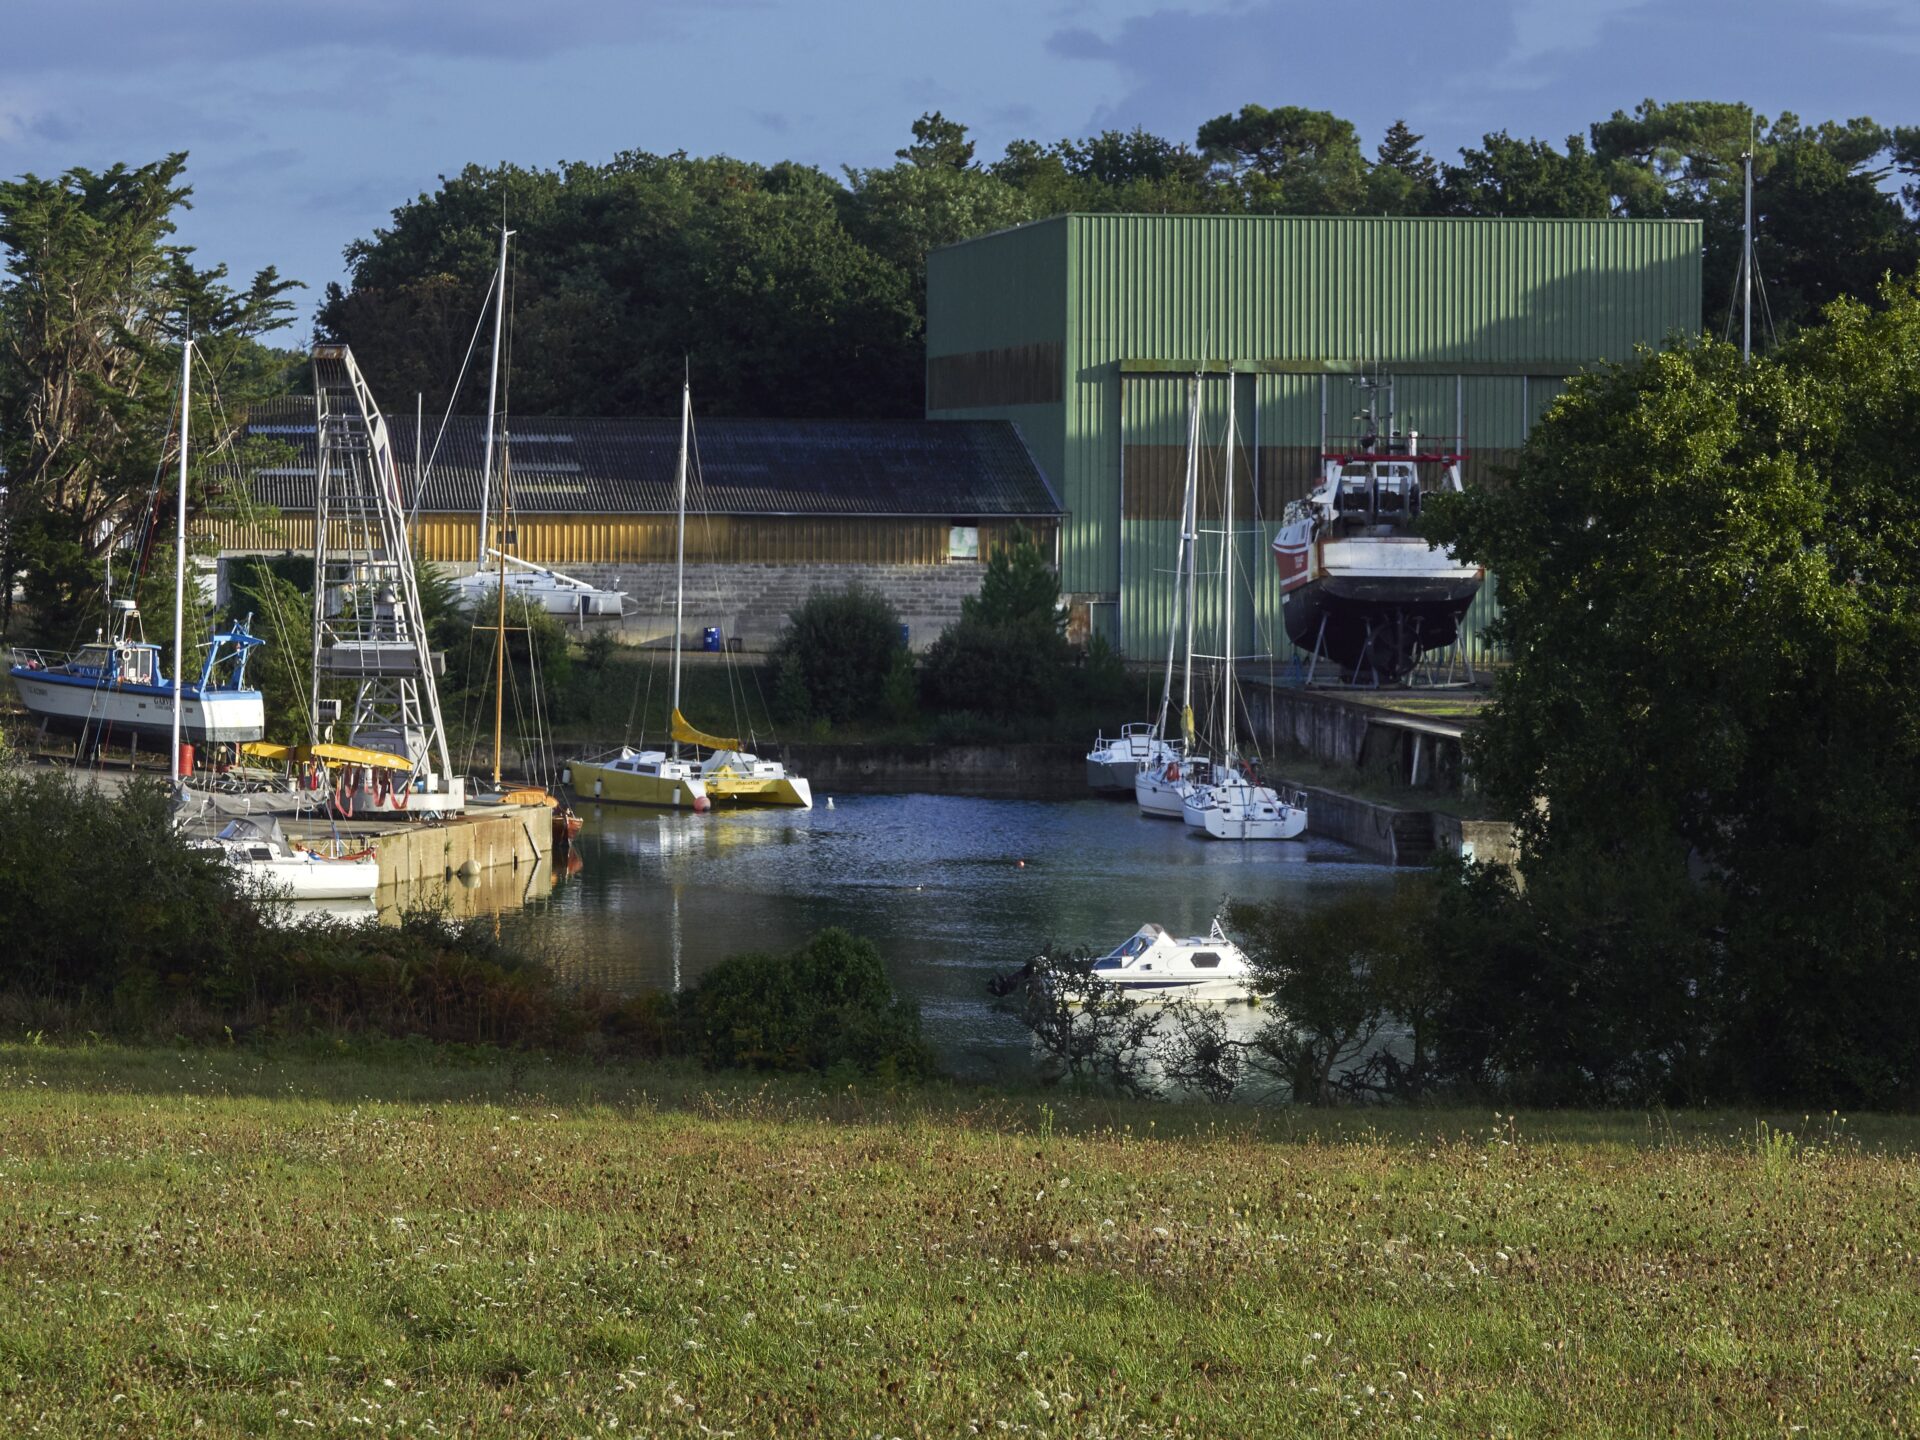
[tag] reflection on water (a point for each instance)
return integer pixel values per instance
(937, 882)
(497, 890)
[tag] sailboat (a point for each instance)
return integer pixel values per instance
(729, 774)
(1234, 805)
(114, 687)
(566, 825)
(1161, 787)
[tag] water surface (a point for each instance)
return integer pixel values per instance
(952, 889)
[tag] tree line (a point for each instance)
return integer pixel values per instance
(792, 291)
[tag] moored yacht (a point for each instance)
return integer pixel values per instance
(1153, 964)
(257, 849)
(1113, 764)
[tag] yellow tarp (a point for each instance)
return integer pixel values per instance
(337, 754)
(687, 735)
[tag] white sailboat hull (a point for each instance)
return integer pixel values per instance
(146, 711)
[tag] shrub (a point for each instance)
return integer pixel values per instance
(827, 1004)
(833, 659)
(1002, 670)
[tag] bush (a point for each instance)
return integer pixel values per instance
(827, 1004)
(833, 659)
(1002, 670)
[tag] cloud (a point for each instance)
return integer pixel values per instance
(1532, 67)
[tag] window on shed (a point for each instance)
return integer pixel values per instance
(963, 542)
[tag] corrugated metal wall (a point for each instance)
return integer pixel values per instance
(629, 539)
(1479, 319)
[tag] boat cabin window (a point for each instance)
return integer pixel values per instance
(1205, 960)
(259, 852)
(1133, 947)
(1107, 964)
(136, 666)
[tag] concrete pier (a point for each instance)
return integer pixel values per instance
(423, 853)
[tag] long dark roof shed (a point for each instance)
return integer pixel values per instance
(906, 468)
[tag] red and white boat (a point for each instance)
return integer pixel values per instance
(1360, 586)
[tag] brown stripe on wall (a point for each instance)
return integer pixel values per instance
(1154, 477)
(1011, 375)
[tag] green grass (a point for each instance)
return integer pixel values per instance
(419, 1242)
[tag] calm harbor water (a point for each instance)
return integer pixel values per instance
(935, 881)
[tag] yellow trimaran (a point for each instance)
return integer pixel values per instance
(728, 775)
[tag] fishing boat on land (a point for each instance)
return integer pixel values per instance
(1360, 586)
(258, 849)
(117, 687)
(729, 774)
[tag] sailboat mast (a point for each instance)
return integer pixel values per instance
(1173, 630)
(1746, 266)
(180, 555)
(1190, 546)
(1226, 577)
(680, 563)
(493, 388)
(500, 591)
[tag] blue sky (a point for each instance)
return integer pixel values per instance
(307, 124)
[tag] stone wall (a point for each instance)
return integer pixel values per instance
(753, 601)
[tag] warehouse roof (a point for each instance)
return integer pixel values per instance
(947, 468)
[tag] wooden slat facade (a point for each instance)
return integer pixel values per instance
(562, 540)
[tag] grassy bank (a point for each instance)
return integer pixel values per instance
(420, 1241)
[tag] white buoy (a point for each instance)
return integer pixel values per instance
(829, 802)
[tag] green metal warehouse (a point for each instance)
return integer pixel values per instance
(1086, 331)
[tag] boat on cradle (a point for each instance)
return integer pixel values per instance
(258, 849)
(730, 774)
(1112, 764)
(117, 687)
(1153, 964)
(1360, 588)
(537, 586)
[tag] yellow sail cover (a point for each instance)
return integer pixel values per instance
(338, 754)
(687, 735)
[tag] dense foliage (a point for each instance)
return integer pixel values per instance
(127, 929)
(827, 1005)
(834, 658)
(793, 292)
(94, 299)
(1007, 655)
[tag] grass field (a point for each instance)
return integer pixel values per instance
(227, 1243)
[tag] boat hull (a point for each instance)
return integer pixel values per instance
(213, 717)
(1115, 775)
(607, 785)
(312, 877)
(1255, 820)
(1160, 797)
(789, 790)
(1390, 622)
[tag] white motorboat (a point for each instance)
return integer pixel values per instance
(258, 849)
(1153, 964)
(1113, 764)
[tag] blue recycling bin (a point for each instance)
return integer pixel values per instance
(905, 642)
(710, 638)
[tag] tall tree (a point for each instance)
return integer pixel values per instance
(1289, 160)
(1404, 179)
(1710, 575)
(1513, 177)
(938, 144)
(94, 301)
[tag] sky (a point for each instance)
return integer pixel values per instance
(307, 124)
